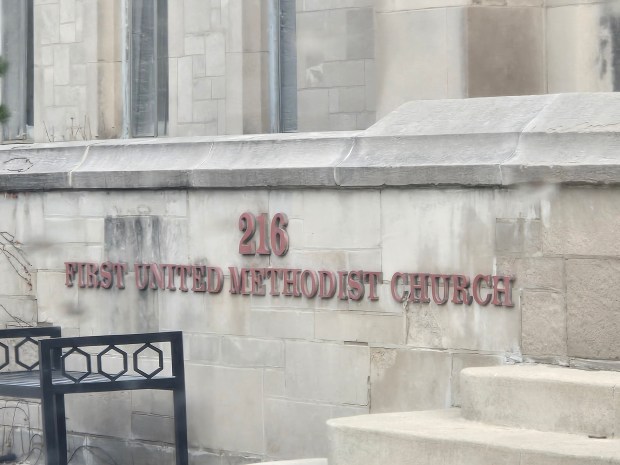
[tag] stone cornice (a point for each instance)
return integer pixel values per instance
(499, 141)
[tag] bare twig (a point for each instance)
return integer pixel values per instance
(16, 258)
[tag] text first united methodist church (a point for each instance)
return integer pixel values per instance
(387, 229)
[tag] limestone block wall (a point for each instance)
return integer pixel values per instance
(335, 65)
(522, 186)
(77, 70)
(219, 80)
(356, 59)
(476, 48)
(218, 73)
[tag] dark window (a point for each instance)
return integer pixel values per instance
(149, 68)
(18, 82)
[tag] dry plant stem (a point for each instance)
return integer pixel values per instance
(16, 258)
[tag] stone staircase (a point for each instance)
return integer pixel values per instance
(510, 415)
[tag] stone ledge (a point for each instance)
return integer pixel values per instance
(442, 436)
(544, 398)
(486, 142)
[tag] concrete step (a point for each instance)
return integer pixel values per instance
(444, 437)
(545, 398)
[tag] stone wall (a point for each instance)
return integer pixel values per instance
(524, 186)
(77, 70)
(335, 65)
(218, 68)
(355, 59)
(476, 48)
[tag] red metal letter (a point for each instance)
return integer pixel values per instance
(342, 285)
(106, 275)
(91, 274)
(156, 277)
(394, 286)
(70, 270)
(235, 280)
(506, 291)
(217, 274)
(461, 291)
(356, 286)
(288, 282)
(314, 286)
(263, 247)
(373, 278)
(141, 283)
(198, 275)
(120, 269)
(247, 225)
(257, 275)
(169, 269)
(446, 288)
(183, 271)
(327, 284)
(279, 235)
(475, 289)
(418, 288)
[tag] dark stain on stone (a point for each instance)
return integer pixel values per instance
(609, 46)
(133, 239)
(614, 29)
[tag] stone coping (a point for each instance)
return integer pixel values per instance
(484, 142)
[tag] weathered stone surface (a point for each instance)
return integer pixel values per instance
(298, 462)
(112, 410)
(227, 412)
(310, 5)
(444, 437)
(416, 52)
(508, 44)
(593, 323)
(296, 429)
(348, 327)
(451, 218)
(453, 160)
(450, 142)
(388, 6)
(264, 161)
(331, 373)
(393, 387)
(282, 323)
(543, 323)
(210, 216)
(571, 56)
(63, 311)
(543, 398)
(274, 383)
(198, 312)
(47, 167)
(491, 115)
(152, 402)
(144, 164)
(313, 109)
(460, 361)
(566, 230)
(534, 273)
(250, 352)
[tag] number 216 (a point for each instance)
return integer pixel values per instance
(278, 239)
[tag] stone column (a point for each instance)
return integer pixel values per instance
(583, 45)
(434, 49)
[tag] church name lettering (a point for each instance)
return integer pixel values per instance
(264, 236)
